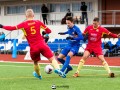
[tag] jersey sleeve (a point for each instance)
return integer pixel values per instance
(20, 26)
(78, 32)
(105, 31)
(10, 28)
(43, 26)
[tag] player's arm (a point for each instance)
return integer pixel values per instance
(63, 33)
(78, 34)
(105, 31)
(10, 28)
(85, 34)
(47, 30)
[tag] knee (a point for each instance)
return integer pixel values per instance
(84, 58)
(35, 62)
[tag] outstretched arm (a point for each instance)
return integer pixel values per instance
(111, 34)
(63, 33)
(10, 28)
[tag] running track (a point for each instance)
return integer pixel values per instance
(112, 61)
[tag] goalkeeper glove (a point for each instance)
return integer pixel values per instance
(61, 33)
(1, 26)
(69, 38)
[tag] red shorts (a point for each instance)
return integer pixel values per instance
(38, 49)
(97, 50)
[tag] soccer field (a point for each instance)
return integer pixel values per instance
(16, 76)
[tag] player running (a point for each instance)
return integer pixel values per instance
(72, 48)
(31, 29)
(95, 32)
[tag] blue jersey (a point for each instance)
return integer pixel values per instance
(73, 45)
(76, 38)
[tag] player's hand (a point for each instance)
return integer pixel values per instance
(1, 26)
(61, 33)
(69, 38)
(85, 37)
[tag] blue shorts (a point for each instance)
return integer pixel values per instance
(67, 49)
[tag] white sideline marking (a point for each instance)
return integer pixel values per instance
(59, 64)
(14, 66)
(43, 67)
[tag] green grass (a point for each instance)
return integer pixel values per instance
(14, 76)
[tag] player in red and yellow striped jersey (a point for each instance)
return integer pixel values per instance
(95, 33)
(31, 29)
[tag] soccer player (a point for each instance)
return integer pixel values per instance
(72, 48)
(95, 32)
(31, 29)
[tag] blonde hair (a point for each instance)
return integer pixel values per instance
(29, 13)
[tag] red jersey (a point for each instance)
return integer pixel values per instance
(31, 29)
(95, 35)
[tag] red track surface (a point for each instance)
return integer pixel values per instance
(112, 61)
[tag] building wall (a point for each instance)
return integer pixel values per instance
(17, 18)
(113, 11)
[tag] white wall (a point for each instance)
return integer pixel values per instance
(61, 28)
(55, 30)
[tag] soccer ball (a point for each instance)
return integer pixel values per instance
(48, 69)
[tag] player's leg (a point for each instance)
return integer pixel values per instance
(105, 64)
(36, 72)
(81, 63)
(67, 61)
(49, 55)
(64, 53)
(54, 62)
(36, 57)
(61, 60)
(56, 66)
(86, 18)
(46, 51)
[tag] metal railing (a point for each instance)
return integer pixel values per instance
(107, 17)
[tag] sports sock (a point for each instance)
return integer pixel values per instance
(105, 64)
(81, 63)
(55, 64)
(61, 60)
(67, 61)
(37, 69)
(68, 67)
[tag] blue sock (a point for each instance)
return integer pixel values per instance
(68, 67)
(66, 64)
(61, 60)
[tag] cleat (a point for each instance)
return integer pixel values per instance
(76, 75)
(35, 75)
(112, 75)
(60, 73)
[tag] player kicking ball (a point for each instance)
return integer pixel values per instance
(95, 33)
(31, 29)
(72, 48)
